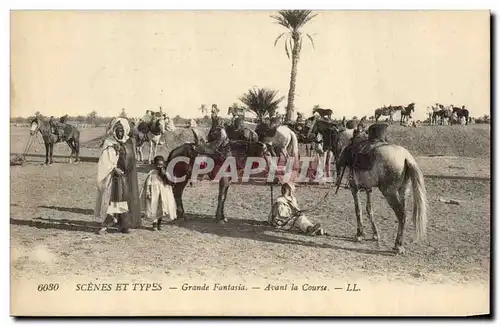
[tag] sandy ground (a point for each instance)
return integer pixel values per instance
(52, 230)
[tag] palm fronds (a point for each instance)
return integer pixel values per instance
(262, 101)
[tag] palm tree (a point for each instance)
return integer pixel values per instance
(293, 21)
(262, 101)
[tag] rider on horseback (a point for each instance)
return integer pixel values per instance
(213, 147)
(300, 118)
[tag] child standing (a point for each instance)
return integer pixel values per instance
(157, 198)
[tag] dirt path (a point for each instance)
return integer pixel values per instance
(51, 227)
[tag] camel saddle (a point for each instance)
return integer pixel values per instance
(360, 154)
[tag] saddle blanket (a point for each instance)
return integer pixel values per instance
(361, 156)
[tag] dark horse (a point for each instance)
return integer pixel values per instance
(406, 112)
(72, 138)
(462, 112)
(240, 150)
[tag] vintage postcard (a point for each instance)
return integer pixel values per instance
(250, 163)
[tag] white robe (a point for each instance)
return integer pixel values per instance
(107, 163)
(285, 211)
(162, 201)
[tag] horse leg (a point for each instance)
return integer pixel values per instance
(397, 207)
(178, 189)
(326, 160)
(51, 152)
(46, 153)
(354, 190)
(369, 212)
(76, 143)
(138, 150)
(70, 144)
(223, 188)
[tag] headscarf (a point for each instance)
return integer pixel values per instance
(290, 186)
(110, 132)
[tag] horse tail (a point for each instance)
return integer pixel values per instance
(419, 197)
(295, 145)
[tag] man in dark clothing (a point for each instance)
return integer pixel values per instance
(53, 128)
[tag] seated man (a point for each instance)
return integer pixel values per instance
(300, 118)
(238, 123)
(286, 214)
(213, 147)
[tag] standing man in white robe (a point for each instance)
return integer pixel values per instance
(157, 198)
(116, 180)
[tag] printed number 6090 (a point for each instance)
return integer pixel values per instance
(48, 287)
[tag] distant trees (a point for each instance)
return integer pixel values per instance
(92, 117)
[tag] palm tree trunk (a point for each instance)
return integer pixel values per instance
(293, 77)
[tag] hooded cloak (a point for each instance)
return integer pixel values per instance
(105, 167)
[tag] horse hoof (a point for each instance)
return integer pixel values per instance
(400, 250)
(359, 238)
(221, 221)
(376, 237)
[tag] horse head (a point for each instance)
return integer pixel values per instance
(35, 126)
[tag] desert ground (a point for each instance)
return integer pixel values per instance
(52, 223)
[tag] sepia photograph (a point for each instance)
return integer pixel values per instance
(250, 162)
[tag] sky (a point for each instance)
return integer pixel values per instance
(76, 62)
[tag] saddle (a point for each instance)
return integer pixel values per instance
(61, 130)
(217, 153)
(363, 153)
(360, 153)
